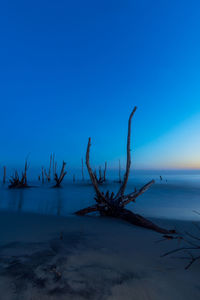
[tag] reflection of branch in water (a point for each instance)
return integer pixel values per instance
(12, 203)
(21, 200)
(59, 206)
(59, 202)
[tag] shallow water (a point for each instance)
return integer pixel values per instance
(175, 197)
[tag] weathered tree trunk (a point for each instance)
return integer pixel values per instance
(87, 210)
(111, 205)
(125, 215)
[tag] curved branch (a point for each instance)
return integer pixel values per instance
(92, 176)
(62, 175)
(131, 197)
(86, 210)
(128, 161)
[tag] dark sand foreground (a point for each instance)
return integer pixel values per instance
(44, 257)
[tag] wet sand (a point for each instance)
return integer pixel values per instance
(48, 257)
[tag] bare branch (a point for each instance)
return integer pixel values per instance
(87, 210)
(62, 175)
(131, 197)
(128, 161)
(92, 176)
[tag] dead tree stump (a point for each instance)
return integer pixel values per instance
(16, 182)
(113, 205)
(60, 178)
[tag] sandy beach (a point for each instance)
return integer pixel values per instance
(48, 257)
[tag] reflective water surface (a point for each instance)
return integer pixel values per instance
(176, 196)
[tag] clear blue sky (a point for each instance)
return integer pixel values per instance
(74, 69)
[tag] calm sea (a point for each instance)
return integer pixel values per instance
(177, 196)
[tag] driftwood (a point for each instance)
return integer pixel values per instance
(16, 182)
(61, 177)
(113, 205)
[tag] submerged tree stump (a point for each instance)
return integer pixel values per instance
(16, 182)
(60, 178)
(113, 205)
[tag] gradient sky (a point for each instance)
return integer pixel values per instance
(74, 69)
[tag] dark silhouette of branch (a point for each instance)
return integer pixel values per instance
(110, 205)
(16, 182)
(60, 178)
(128, 161)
